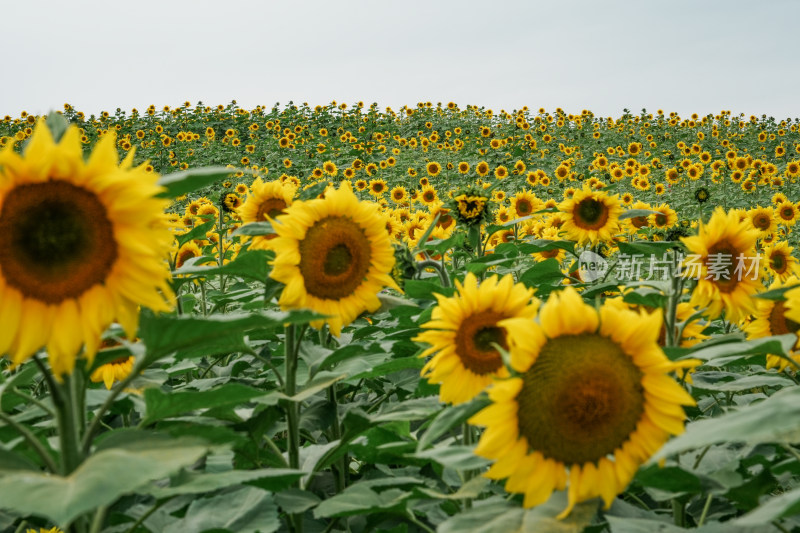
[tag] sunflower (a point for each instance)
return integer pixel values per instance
(241, 188)
(770, 319)
(763, 219)
(463, 167)
(82, 243)
(780, 262)
(501, 172)
(265, 201)
(471, 206)
(723, 260)
(482, 169)
(334, 255)
(786, 213)
(116, 370)
(231, 202)
(525, 203)
(433, 169)
(462, 333)
(377, 187)
(399, 194)
(592, 403)
(186, 252)
(428, 195)
(591, 216)
(666, 217)
(329, 168)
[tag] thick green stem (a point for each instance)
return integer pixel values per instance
(336, 431)
(291, 347)
(468, 439)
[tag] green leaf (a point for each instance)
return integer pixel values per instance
(778, 345)
(272, 479)
(545, 272)
(450, 456)
(449, 418)
(787, 504)
(495, 514)
(197, 232)
(731, 382)
(776, 419)
(361, 499)
(186, 181)
(251, 264)
(243, 510)
(633, 213)
(254, 228)
(164, 334)
(161, 405)
(296, 500)
(425, 290)
(99, 481)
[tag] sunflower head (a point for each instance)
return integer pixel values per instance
(82, 243)
(470, 206)
(464, 334)
(591, 216)
(334, 255)
(592, 401)
(723, 260)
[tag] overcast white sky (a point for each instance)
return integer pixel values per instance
(679, 55)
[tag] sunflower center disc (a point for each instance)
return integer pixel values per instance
(778, 263)
(581, 399)
(271, 207)
(55, 241)
(334, 258)
(591, 214)
(474, 341)
(722, 258)
(778, 323)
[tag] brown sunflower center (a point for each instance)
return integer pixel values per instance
(581, 399)
(271, 207)
(334, 257)
(778, 263)
(761, 221)
(590, 214)
(56, 241)
(474, 342)
(721, 263)
(778, 323)
(523, 207)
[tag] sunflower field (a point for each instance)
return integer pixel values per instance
(435, 319)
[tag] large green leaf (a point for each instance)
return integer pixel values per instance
(776, 419)
(272, 479)
(164, 334)
(251, 264)
(241, 510)
(161, 405)
(99, 481)
(361, 498)
(496, 514)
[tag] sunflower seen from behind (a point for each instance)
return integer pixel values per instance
(82, 244)
(462, 333)
(593, 401)
(334, 255)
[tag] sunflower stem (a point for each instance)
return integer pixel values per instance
(678, 512)
(468, 440)
(705, 511)
(291, 348)
(441, 271)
